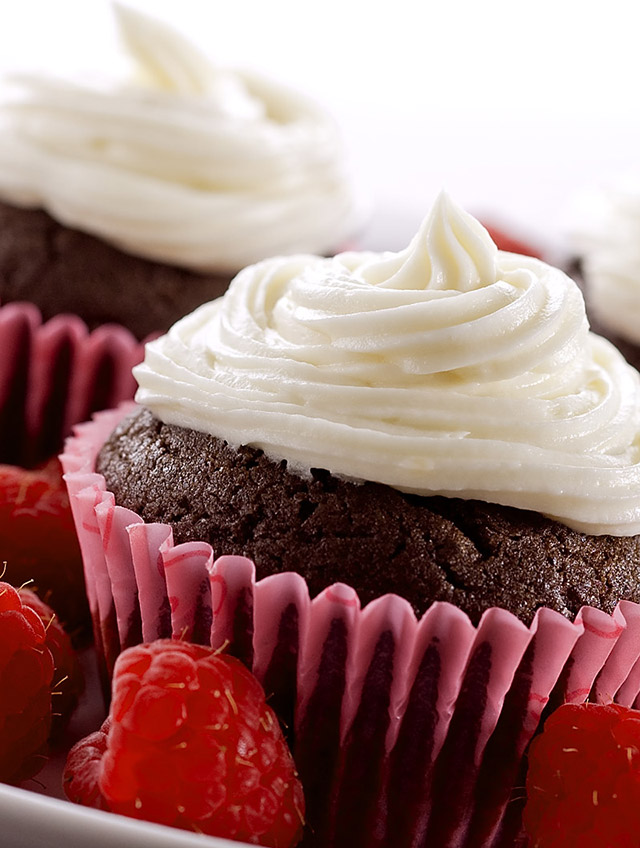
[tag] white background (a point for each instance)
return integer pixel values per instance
(511, 106)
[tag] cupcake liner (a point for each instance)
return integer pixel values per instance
(55, 374)
(405, 732)
(52, 375)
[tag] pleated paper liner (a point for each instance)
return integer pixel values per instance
(53, 375)
(405, 732)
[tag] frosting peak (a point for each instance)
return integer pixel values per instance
(166, 61)
(450, 252)
(449, 368)
(182, 162)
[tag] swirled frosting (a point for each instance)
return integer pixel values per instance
(449, 368)
(184, 162)
(608, 239)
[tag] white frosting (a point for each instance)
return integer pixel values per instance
(607, 236)
(185, 163)
(448, 368)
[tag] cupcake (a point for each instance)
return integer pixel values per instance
(403, 488)
(604, 235)
(482, 441)
(124, 204)
(160, 183)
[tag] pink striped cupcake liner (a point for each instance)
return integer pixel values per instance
(52, 375)
(406, 732)
(55, 374)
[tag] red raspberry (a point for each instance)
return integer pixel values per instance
(82, 771)
(508, 242)
(191, 744)
(26, 672)
(38, 539)
(583, 785)
(68, 680)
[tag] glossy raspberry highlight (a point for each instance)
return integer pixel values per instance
(583, 785)
(192, 744)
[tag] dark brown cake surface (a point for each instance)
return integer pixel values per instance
(376, 539)
(64, 270)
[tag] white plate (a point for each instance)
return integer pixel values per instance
(31, 820)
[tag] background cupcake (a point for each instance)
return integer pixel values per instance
(604, 225)
(126, 201)
(159, 185)
(442, 375)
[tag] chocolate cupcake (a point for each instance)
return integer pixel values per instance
(124, 204)
(447, 405)
(440, 419)
(603, 231)
(159, 186)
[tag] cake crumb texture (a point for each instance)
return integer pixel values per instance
(373, 537)
(63, 270)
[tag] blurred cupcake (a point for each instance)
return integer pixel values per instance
(438, 424)
(604, 227)
(160, 185)
(126, 203)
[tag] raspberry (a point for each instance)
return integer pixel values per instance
(82, 770)
(583, 785)
(68, 679)
(26, 672)
(38, 539)
(191, 744)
